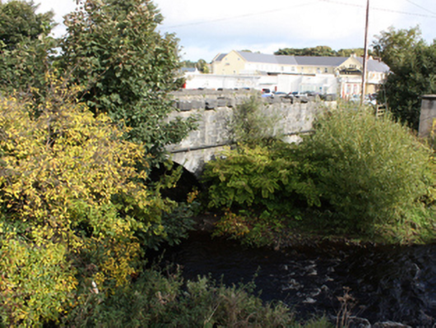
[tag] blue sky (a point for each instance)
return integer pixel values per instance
(206, 28)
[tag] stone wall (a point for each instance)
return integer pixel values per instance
(214, 109)
(427, 119)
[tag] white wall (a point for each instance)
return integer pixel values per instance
(323, 83)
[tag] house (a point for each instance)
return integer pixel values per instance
(346, 70)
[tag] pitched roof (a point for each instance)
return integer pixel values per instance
(320, 61)
(219, 57)
(291, 60)
(258, 58)
(375, 65)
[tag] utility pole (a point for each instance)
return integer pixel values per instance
(365, 56)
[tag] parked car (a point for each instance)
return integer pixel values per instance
(290, 96)
(302, 97)
(279, 94)
(355, 98)
(267, 93)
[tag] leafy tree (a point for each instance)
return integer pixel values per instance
(19, 22)
(72, 215)
(25, 46)
(188, 63)
(413, 67)
(128, 68)
(324, 51)
(202, 66)
(392, 45)
(315, 51)
(359, 52)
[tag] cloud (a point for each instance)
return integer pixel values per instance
(227, 24)
(206, 28)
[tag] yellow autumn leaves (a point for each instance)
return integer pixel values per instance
(68, 185)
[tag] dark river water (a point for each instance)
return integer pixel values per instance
(387, 283)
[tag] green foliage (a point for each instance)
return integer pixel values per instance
(19, 23)
(413, 66)
(316, 51)
(264, 178)
(250, 125)
(359, 52)
(156, 300)
(392, 45)
(25, 46)
(259, 187)
(357, 174)
(324, 51)
(128, 68)
(370, 171)
(253, 229)
(202, 66)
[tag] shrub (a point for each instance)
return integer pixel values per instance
(369, 170)
(71, 207)
(357, 173)
(158, 300)
(264, 178)
(251, 125)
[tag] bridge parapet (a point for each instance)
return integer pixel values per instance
(214, 109)
(186, 100)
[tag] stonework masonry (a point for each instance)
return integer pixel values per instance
(214, 109)
(427, 120)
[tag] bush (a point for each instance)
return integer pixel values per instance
(258, 187)
(251, 125)
(356, 173)
(158, 300)
(266, 178)
(71, 207)
(370, 171)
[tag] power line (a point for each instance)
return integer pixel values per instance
(415, 4)
(379, 9)
(241, 16)
(297, 6)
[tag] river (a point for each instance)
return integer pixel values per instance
(386, 283)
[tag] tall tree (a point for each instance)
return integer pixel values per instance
(128, 68)
(413, 69)
(25, 46)
(315, 51)
(321, 51)
(393, 45)
(19, 22)
(202, 66)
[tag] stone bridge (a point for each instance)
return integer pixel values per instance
(214, 109)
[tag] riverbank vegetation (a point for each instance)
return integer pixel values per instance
(80, 133)
(357, 177)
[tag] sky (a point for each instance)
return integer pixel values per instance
(206, 28)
